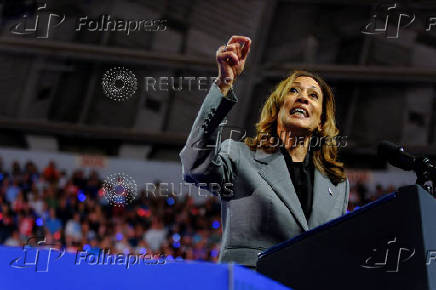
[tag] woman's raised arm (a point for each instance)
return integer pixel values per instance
(207, 166)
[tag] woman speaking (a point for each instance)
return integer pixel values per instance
(286, 179)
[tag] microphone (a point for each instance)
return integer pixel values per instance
(396, 155)
(424, 168)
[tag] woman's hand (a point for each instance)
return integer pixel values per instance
(231, 61)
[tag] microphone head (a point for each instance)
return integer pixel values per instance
(395, 155)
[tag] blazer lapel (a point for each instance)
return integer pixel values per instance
(272, 168)
(324, 198)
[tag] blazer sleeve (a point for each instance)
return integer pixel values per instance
(347, 196)
(205, 162)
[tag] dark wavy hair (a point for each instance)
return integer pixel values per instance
(325, 157)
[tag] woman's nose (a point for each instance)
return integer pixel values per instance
(302, 98)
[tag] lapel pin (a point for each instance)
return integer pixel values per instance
(330, 191)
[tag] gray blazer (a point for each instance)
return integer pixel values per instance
(259, 206)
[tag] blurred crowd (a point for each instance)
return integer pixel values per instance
(72, 212)
(361, 195)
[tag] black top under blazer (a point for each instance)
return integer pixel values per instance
(262, 208)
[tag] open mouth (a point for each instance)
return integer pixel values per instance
(299, 112)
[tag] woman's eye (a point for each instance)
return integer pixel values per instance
(293, 90)
(314, 96)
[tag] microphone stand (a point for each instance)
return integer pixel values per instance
(425, 170)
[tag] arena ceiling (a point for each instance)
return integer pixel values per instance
(51, 87)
